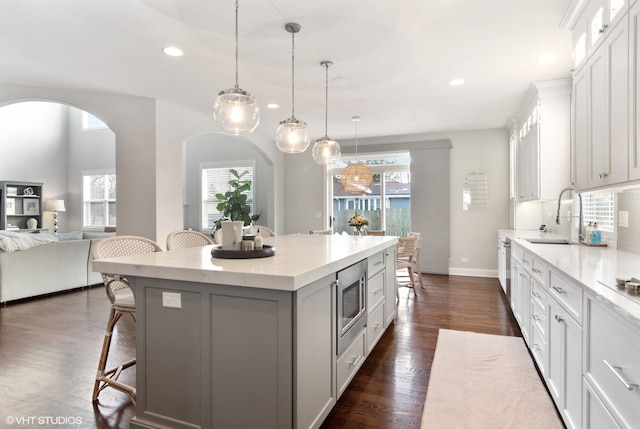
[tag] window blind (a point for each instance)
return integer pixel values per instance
(599, 208)
(215, 180)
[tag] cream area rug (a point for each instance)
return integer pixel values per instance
(482, 381)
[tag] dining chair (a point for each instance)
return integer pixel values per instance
(321, 231)
(122, 302)
(185, 238)
(416, 257)
(262, 231)
(375, 232)
(405, 252)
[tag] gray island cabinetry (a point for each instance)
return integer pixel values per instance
(244, 343)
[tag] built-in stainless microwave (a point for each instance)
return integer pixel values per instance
(352, 306)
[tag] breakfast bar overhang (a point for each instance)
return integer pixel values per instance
(243, 343)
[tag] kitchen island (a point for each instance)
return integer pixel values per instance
(244, 343)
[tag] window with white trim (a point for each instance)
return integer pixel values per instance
(599, 208)
(98, 199)
(215, 180)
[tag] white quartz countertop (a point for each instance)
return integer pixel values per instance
(299, 260)
(596, 268)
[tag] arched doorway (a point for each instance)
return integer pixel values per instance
(56, 144)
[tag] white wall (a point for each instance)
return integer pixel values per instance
(473, 232)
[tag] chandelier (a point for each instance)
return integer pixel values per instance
(356, 178)
(292, 135)
(325, 150)
(236, 110)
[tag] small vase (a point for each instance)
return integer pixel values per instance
(358, 231)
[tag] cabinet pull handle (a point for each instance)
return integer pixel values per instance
(355, 361)
(615, 370)
(376, 326)
(536, 294)
(535, 317)
(559, 318)
(377, 291)
(558, 289)
(378, 263)
(601, 30)
(602, 175)
(536, 270)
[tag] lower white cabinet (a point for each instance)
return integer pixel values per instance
(612, 361)
(595, 414)
(390, 288)
(375, 327)
(564, 371)
(315, 355)
(350, 361)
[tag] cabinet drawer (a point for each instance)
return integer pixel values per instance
(539, 294)
(375, 291)
(350, 361)
(596, 414)
(375, 263)
(538, 269)
(375, 327)
(539, 318)
(539, 349)
(612, 363)
(568, 294)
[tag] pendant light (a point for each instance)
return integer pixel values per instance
(292, 135)
(325, 150)
(356, 178)
(236, 110)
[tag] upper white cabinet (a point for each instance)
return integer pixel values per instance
(602, 16)
(544, 143)
(601, 98)
(634, 63)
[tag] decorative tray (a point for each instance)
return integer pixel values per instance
(219, 252)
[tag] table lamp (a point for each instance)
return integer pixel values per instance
(55, 206)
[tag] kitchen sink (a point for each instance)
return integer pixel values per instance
(549, 240)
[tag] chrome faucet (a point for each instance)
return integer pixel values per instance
(570, 188)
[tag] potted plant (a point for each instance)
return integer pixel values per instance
(233, 203)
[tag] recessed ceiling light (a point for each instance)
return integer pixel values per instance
(547, 58)
(456, 82)
(273, 106)
(172, 51)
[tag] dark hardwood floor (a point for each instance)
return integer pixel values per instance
(49, 351)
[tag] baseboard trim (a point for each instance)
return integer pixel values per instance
(472, 272)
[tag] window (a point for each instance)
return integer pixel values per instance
(99, 199)
(90, 122)
(215, 180)
(387, 205)
(599, 208)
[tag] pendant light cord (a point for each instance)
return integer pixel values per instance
(237, 44)
(326, 98)
(293, 49)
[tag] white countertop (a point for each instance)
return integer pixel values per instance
(300, 259)
(596, 268)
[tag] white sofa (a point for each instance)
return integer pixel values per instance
(52, 267)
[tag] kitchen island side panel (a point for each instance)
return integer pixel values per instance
(239, 337)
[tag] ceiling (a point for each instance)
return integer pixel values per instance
(393, 60)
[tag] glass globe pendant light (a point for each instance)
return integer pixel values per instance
(236, 110)
(292, 135)
(356, 178)
(325, 150)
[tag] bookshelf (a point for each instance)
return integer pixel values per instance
(19, 202)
